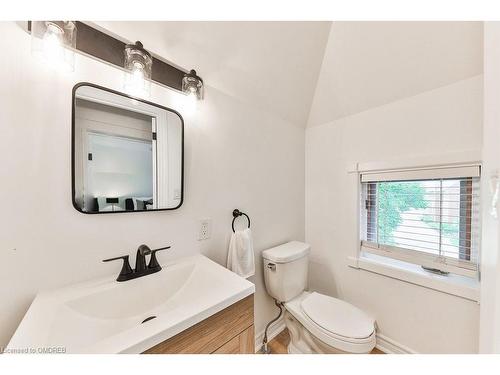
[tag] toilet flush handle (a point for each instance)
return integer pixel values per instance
(271, 266)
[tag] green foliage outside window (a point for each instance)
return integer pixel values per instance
(448, 230)
(395, 198)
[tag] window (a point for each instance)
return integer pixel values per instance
(428, 217)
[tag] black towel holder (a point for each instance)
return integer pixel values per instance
(237, 213)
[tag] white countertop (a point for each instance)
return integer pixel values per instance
(104, 316)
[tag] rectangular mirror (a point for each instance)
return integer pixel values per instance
(127, 153)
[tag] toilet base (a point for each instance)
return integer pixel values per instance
(302, 342)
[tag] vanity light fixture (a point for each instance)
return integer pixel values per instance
(138, 63)
(55, 43)
(58, 41)
(192, 85)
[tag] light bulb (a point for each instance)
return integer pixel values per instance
(137, 77)
(137, 65)
(52, 41)
(53, 49)
(135, 82)
(192, 85)
(188, 103)
(192, 94)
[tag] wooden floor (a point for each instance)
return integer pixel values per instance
(279, 344)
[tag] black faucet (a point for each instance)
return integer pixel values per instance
(127, 273)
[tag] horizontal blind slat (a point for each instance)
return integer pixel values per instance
(430, 217)
(436, 241)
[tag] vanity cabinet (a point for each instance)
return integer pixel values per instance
(230, 331)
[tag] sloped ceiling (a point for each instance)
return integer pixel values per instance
(347, 67)
(368, 64)
(273, 65)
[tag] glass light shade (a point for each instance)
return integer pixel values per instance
(54, 42)
(138, 64)
(192, 85)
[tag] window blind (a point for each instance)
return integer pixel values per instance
(428, 217)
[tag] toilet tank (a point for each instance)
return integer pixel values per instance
(285, 270)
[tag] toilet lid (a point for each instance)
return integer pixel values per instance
(337, 317)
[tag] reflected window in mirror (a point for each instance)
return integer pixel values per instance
(127, 153)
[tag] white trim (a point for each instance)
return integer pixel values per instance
(154, 150)
(421, 258)
(355, 169)
(353, 262)
(460, 286)
(360, 223)
(384, 343)
(411, 174)
(97, 95)
(468, 157)
(390, 346)
(273, 331)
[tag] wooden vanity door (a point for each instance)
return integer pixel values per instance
(228, 331)
(244, 343)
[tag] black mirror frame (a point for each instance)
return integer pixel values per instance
(73, 190)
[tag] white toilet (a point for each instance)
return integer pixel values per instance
(317, 323)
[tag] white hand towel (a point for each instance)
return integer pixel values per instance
(240, 257)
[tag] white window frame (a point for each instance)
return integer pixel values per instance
(399, 268)
(427, 260)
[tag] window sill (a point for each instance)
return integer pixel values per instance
(461, 286)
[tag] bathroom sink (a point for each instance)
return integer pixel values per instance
(106, 316)
(130, 299)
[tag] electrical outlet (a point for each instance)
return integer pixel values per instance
(205, 229)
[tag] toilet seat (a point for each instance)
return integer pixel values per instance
(334, 322)
(337, 317)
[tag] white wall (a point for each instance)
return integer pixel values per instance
(120, 167)
(490, 265)
(235, 157)
(444, 120)
(369, 64)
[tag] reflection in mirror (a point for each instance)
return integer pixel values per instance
(127, 153)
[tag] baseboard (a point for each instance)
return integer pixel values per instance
(390, 346)
(384, 343)
(272, 332)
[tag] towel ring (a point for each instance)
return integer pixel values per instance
(237, 213)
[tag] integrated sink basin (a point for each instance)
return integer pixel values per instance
(106, 316)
